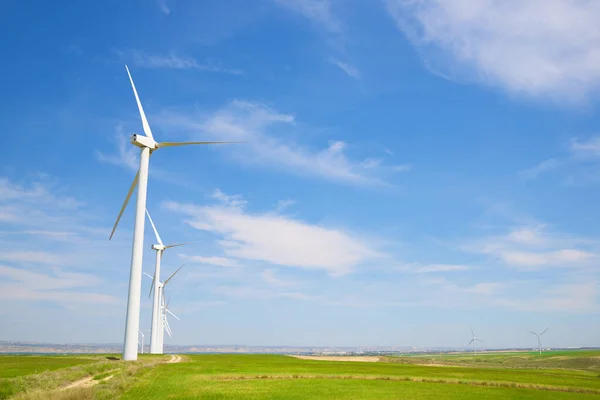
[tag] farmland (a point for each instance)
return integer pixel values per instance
(568, 375)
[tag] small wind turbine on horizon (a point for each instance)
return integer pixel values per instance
(163, 310)
(474, 340)
(539, 338)
(147, 145)
(156, 325)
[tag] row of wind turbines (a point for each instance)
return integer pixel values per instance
(147, 146)
(475, 339)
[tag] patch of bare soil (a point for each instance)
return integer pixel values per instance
(340, 358)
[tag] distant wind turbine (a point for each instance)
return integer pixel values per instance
(539, 338)
(163, 311)
(156, 325)
(147, 145)
(474, 340)
(142, 344)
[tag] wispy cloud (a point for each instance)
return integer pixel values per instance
(263, 129)
(164, 8)
(347, 68)
(534, 247)
(172, 60)
(440, 268)
(588, 148)
(277, 239)
(126, 155)
(542, 49)
(57, 286)
(318, 11)
(543, 167)
(212, 260)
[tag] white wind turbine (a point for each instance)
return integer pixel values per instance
(474, 340)
(539, 338)
(156, 325)
(162, 312)
(147, 145)
(142, 343)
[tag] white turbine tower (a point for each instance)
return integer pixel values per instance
(474, 340)
(162, 312)
(539, 338)
(156, 325)
(147, 145)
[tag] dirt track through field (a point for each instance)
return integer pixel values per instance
(340, 358)
(86, 382)
(174, 359)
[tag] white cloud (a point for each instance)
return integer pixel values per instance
(544, 166)
(27, 285)
(347, 68)
(172, 60)
(589, 148)
(126, 155)
(318, 11)
(217, 261)
(440, 268)
(263, 129)
(164, 8)
(534, 247)
(277, 239)
(268, 275)
(39, 257)
(542, 48)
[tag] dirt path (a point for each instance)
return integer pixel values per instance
(174, 359)
(85, 382)
(340, 358)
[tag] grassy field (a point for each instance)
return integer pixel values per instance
(11, 366)
(564, 375)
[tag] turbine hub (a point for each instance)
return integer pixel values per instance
(143, 141)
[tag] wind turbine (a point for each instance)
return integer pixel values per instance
(474, 340)
(147, 145)
(142, 344)
(163, 324)
(539, 338)
(155, 345)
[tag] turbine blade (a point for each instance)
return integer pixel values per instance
(167, 281)
(174, 144)
(544, 331)
(177, 245)
(472, 333)
(533, 333)
(145, 124)
(131, 189)
(174, 316)
(472, 340)
(152, 285)
(148, 275)
(154, 228)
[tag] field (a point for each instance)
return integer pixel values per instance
(553, 375)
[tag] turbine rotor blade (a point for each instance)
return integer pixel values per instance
(154, 228)
(544, 331)
(145, 124)
(165, 282)
(131, 189)
(472, 333)
(174, 144)
(177, 245)
(148, 275)
(472, 340)
(175, 316)
(533, 333)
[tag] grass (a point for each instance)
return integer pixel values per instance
(278, 377)
(497, 376)
(12, 366)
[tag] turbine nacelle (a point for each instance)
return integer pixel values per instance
(159, 247)
(142, 141)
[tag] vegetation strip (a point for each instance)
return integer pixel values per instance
(470, 382)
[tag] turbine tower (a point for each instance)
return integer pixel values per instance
(156, 325)
(539, 338)
(142, 343)
(147, 145)
(474, 340)
(163, 310)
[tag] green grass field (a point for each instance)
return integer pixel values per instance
(558, 375)
(11, 366)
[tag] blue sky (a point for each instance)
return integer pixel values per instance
(410, 168)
